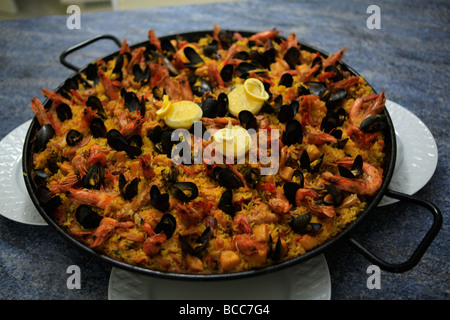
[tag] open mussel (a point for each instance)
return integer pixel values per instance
(374, 123)
(98, 129)
(227, 72)
(317, 88)
(73, 137)
(290, 190)
(292, 57)
(227, 178)
(128, 190)
(301, 224)
(293, 133)
(251, 176)
(355, 170)
(141, 76)
(288, 111)
(195, 247)
(43, 136)
(286, 80)
(170, 175)
(64, 112)
(247, 120)
(167, 224)
(87, 217)
(95, 104)
(46, 199)
(335, 99)
(94, 178)
(195, 61)
(200, 86)
(116, 140)
(226, 203)
(184, 191)
(159, 200)
(134, 146)
(133, 103)
(275, 249)
(311, 166)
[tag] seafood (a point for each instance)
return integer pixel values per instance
(106, 154)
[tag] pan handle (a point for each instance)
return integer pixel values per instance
(421, 248)
(65, 53)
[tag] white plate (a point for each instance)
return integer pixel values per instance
(417, 153)
(309, 280)
(15, 203)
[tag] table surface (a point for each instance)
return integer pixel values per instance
(408, 58)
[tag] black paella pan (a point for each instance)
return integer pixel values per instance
(32, 182)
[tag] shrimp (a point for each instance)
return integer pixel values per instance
(55, 97)
(152, 245)
(345, 84)
(186, 91)
(279, 203)
(103, 231)
(214, 76)
(319, 137)
(305, 197)
(107, 84)
(265, 35)
(335, 57)
(130, 128)
(154, 40)
(368, 184)
(261, 213)
(145, 161)
(45, 117)
(96, 155)
(250, 247)
(93, 198)
(79, 163)
(241, 223)
(358, 111)
(361, 139)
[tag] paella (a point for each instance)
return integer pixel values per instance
(220, 155)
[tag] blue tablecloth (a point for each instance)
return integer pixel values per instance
(408, 58)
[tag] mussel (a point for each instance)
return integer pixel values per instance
(293, 133)
(159, 200)
(227, 72)
(98, 129)
(184, 191)
(286, 80)
(128, 190)
(87, 217)
(73, 137)
(374, 123)
(247, 120)
(292, 57)
(155, 134)
(227, 178)
(275, 250)
(290, 190)
(94, 178)
(317, 88)
(226, 203)
(335, 99)
(166, 144)
(311, 166)
(46, 199)
(200, 86)
(288, 111)
(167, 224)
(251, 176)
(133, 103)
(64, 112)
(95, 104)
(43, 136)
(355, 170)
(134, 146)
(195, 61)
(195, 247)
(170, 175)
(301, 224)
(141, 76)
(116, 140)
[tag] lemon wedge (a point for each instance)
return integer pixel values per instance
(232, 141)
(179, 114)
(248, 96)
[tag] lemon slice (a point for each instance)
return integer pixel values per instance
(248, 96)
(179, 114)
(232, 141)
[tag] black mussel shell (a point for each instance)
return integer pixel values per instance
(43, 136)
(200, 87)
(158, 94)
(87, 217)
(241, 55)
(227, 72)
(290, 190)
(98, 128)
(336, 194)
(210, 50)
(317, 88)
(128, 190)
(64, 112)
(226, 203)
(199, 244)
(116, 140)
(293, 133)
(194, 58)
(170, 175)
(341, 143)
(134, 146)
(275, 251)
(119, 63)
(251, 176)
(209, 108)
(288, 111)
(91, 73)
(159, 200)
(247, 120)
(184, 191)
(246, 67)
(94, 178)
(47, 200)
(222, 105)
(292, 57)
(330, 122)
(95, 104)
(335, 99)
(336, 133)
(167, 224)
(132, 101)
(374, 123)
(338, 73)
(225, 38)
(155, 134)
(317, 60)
(167, 47)
(140, 75)
(302, 224)
(227, 178)
(166, 144)
(286, 80)
(73, 137)
(355, 170)
(313, 166)
(298, 177)
(264, 59)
